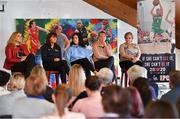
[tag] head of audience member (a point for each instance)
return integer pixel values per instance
(77, 40)
(35, 85)
(142, 86)
(61, 98)
(92, 84)
(105, 75)
(128, 37)
(4, 78)
(102, 36)
(137, 105)
(160, 109)
(174, 78)
(77, 79)
(57, 29)
(17, 82)
(15, 38)
(135, 72)
(116, 100)
(38, 70)
(51, 38)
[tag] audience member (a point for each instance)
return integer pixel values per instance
(39, 71)
(34, 105)
(18, 58)
(174, 83)
(160, 109)
(102, 54)
(61, 98)
(91, 106)
(51, 57)
(16, 86)
(130, 53)
(77, 53)
(116, 102)
(142, 86)
(4, 79)
(137, 104)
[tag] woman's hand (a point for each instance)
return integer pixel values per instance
(23, 58)
(56, 59)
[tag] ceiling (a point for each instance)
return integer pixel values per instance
(126, 10)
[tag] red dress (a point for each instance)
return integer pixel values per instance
(34, 39)
(13, 54)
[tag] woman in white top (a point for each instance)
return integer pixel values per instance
(129, 52)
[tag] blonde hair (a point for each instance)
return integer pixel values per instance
(77, 79)
(17, 81)
(62, 95)
(12, 39)
(38, 70)
(35, 85)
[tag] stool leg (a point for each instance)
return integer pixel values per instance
(126, 79)
(57, 79)
(121, 82)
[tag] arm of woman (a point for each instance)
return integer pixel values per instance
(139, 54)
(124, 54)
(44, 54)
(42, 29)
(108, 50)
(96, 52)
(9, 55)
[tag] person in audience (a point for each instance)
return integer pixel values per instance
(174, 83)
(62, 39)
(116, 102)
(33, 33)
(137, 105)
(145, 92)
(105, 75)
(39, 71)
(52, 58)
(61, 98)
(102, 54)
(4, 79)
(130, 52)
(16, 86)
(18, 58)
(77, 53)
(160, 109)
(91, 106)
(34, 105)
(137, 71)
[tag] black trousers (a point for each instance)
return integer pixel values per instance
(109, 63)
(86, 64)
(24, 67)
(127, 64)
(60, 66)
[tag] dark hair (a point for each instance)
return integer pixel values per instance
(48, 37)
(92, 83)
(30, 23)
(117, 100)
(81, 42)
(142, 85)
(160, 109)
(55, 28)
(175, 77)
(4, 77)
(128, 33)
(102, 31)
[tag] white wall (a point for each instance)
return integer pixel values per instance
(49, 9)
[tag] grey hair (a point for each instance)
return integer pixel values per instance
(105, 75)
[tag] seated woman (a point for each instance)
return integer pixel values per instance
(18, 58)
(78, 54)
(129, 52)
(102, 53)
(51, 57)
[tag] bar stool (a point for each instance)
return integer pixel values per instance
(124, 77)
(48, 73)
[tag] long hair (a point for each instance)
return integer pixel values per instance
(38, 70)
(77, 79)
(12, 39)
(62, 95)
(81, 42)
(48, 37)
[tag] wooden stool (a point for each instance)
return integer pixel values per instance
(48, 73)
(124, 77)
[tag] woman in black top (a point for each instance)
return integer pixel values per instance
(51, 57)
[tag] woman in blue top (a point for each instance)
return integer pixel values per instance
(78, 54)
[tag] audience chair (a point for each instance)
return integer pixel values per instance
(48, 73)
